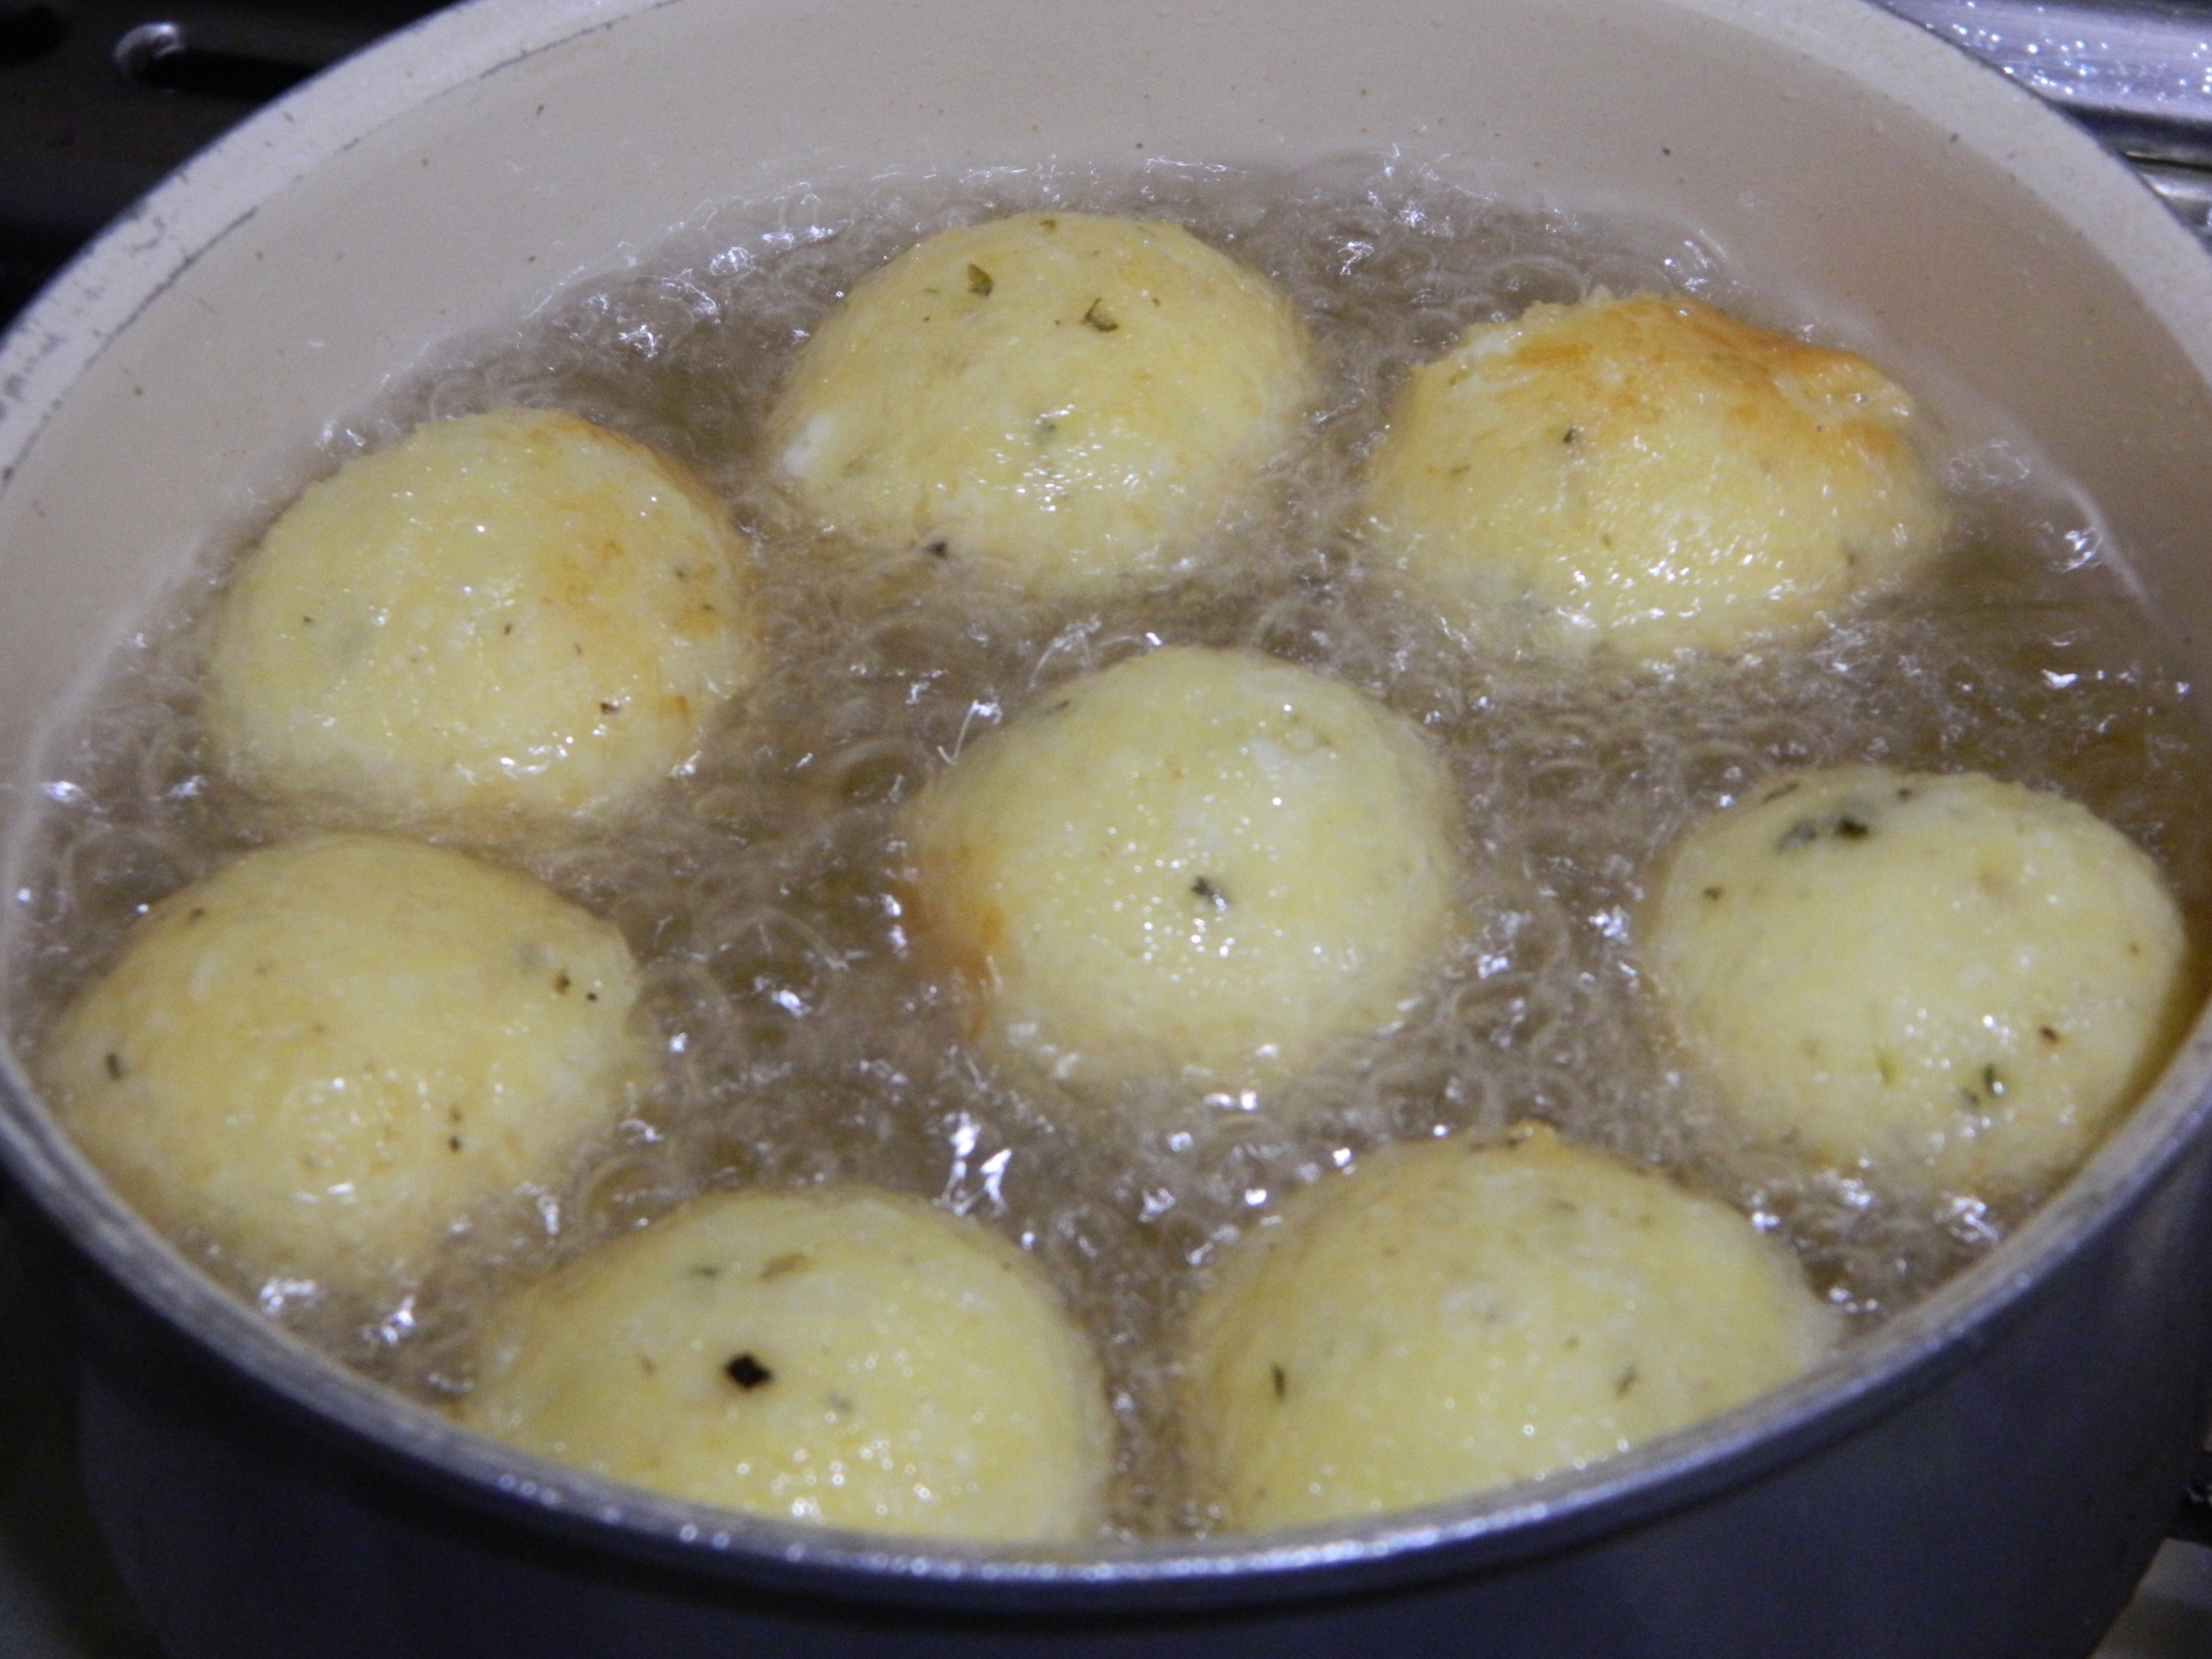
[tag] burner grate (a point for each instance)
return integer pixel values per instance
(2136, 73)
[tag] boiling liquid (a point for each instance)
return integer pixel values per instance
(804, 1042)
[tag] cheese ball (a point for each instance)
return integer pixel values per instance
(1951, 981)
(321, 1057)
(515, 615)
(1049, 403)
(840, 1356)
(1453, 1317)
(1198, 866)
(1644, 476)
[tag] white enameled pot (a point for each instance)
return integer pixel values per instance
(1984, 1477)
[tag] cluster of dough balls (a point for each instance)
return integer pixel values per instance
(1052, 403)
(840, 1355)
(509, 615)
(1198, 865)
(1949, 981)
(1645, 475)
(320, 1058)
(1453, 1317)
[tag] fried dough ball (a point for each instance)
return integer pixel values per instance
(515, 613)
(1052, 403)
(1452, 1316)
(1946, 979)
(320, 1058)
(1198, 865)
(1645, 475)
(840, 1355)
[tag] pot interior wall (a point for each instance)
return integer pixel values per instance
(1952, 226)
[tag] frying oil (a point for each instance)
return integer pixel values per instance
(805, 1041)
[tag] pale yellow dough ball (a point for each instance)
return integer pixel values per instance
(1452, 1316)
(1645, 475)
(1949, 981)
(840, 1355)
(320, 1058)
(510, 614)
(1048, 403)
(1198, 865)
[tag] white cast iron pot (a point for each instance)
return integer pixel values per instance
(1984, 1477)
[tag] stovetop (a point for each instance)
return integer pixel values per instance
(100, 99)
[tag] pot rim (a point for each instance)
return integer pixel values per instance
(93, 303)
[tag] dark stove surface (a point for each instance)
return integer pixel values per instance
(100, 99)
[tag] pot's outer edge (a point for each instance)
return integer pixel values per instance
(293, 1385)
(99, 300)
(1698, 1584)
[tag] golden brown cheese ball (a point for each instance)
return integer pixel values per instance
(1645, 475)
(840, 1355)
(1452, 1316)
(510, 614)
(320, 1058)
(1198, 865)
(1048, 403)
(1947, 980)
